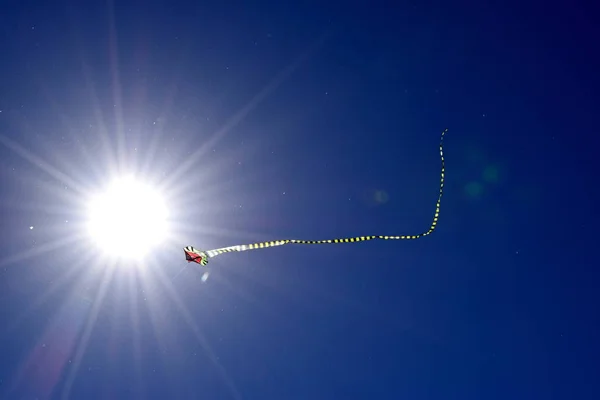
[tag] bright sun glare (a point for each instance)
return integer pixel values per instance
(127, 219)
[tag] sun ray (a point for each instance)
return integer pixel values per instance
(61, 282)
(42, 249)
(202, 341)
(39, 162)
(87, 331)
(266, 91)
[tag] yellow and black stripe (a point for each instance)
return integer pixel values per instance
(263, 245)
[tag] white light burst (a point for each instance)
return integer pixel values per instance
(128, 219)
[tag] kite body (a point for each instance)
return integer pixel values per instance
(195, 255)
(201, 257)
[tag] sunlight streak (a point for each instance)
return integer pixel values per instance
(251, 105)
(41, 249)
(89, 327)
(37, 161)
(199, 336)
(60, 283)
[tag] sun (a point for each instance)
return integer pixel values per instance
(127, 219)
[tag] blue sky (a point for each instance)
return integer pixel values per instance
(269, 121)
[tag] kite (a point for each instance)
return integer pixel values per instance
(202, 256)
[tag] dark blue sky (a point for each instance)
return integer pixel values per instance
(317, 120)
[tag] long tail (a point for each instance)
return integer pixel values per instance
(273, 243)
